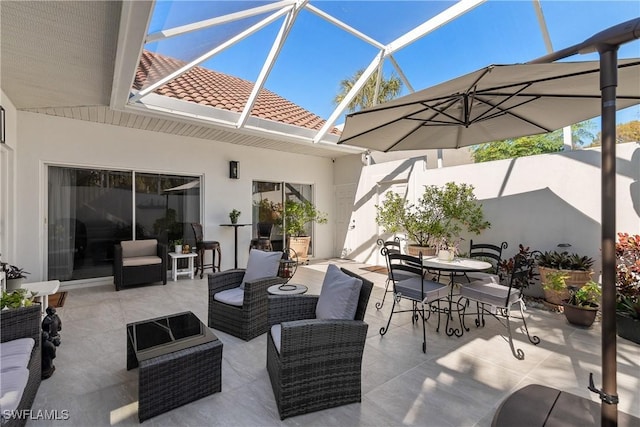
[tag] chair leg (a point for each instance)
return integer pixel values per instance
(424, 331)
(384, 329)
(517, 353)
(379, 304)
(532, 339)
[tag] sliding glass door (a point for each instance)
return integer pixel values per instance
(268, 206)
(89, 211)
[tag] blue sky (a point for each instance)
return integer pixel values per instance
(317, 55)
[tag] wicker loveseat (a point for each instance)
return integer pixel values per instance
(19, 327)
(139, 261)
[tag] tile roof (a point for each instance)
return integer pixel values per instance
(208, 87)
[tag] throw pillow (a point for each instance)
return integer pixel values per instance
(261, 264)
(339, 295)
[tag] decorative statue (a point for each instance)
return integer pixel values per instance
(51, 325)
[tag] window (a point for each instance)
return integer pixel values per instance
(89, 211)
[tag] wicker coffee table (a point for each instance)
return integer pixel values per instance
(178, 360)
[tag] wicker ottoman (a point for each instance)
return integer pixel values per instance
(176, 372)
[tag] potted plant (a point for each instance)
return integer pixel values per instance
(582, 306)
(234, 215)
(16, 298)
(576, 269)
(15, 276)
(555, 287)
(628, 286)
(436, 219)
(297, 214)
(177, 245)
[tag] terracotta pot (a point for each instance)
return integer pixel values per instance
(575, 279)
(628, 327)
(415, 250)
(580, 315)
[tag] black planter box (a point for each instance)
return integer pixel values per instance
(628, 327)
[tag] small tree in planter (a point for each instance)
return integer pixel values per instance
(436, 219)
(297, 214)
(628, 286)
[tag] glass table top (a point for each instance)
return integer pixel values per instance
(167, 334)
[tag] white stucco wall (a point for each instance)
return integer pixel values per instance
(52, 140)
(539, 201)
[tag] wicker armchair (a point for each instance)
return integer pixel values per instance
(249, 320)
(139, 261)
(319, 365)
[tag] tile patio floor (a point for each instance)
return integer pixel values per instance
(458, 382)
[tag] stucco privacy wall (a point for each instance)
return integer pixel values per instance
(53, 140)
(539, 201)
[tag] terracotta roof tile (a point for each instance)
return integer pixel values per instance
(208, 87)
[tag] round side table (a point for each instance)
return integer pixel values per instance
(287, 289)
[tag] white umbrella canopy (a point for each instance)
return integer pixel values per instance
(494, 103)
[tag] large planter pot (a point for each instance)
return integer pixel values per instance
(580, 315)
(301, 246)
(575, 278)
(415, 250)
(628, 327)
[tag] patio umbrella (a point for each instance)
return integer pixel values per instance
(500, 102)
(494, 103)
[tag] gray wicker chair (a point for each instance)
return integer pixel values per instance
(248, 321)
(319, 365)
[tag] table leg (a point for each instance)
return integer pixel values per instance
(235, 241)
(191, 267)
(174, 269)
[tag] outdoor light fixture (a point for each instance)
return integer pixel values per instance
(233, 169)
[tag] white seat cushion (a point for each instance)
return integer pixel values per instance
(417, 289)
(141, 260)
(233, 296)
(261, 264)
(276, 335)
(12, 387)
(489, 293)
(19, 346)
(339, 295)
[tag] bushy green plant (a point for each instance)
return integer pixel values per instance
(299, 213)
(16, 299)
(564, 261)
(556, 281)
(628, 274)
(438, 217)
(586, 296)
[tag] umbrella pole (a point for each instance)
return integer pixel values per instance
(608, 84)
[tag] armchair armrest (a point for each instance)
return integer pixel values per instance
(324, 339)
(23, 322)
(223, 280)
(162, 252)
(255, 292)
(284, 308)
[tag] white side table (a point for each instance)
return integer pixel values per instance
(42, 291)
(287, 289)
(175, 272)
